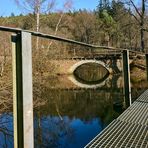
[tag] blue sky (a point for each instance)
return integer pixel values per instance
(8, 6)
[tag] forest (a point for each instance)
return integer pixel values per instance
(119, 24)
(116, 23)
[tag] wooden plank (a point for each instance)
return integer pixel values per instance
(22, 90)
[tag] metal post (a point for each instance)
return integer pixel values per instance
(146, 58)
(22, 90)
(126, 75)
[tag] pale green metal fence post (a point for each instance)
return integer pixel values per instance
(126, 76)
(22, 90)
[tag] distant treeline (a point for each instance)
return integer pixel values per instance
(109, 25)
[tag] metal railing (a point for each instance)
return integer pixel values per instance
(22, 81)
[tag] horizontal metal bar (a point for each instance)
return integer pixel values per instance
(47, 36)
(10, 29)
(57, 38)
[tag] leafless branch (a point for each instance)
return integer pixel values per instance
(136, 18)
(135, 8)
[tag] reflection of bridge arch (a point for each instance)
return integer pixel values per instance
(79, 84)
(76, 65)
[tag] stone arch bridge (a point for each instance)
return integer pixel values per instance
(68, 66)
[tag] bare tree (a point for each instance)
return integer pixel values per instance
(4, 51)
(140, 18)
(66, 6)
(36, 7)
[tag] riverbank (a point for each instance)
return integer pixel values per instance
(138, 71)
(49, 77)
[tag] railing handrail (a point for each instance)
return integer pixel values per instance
(54, 37)
(57, 38)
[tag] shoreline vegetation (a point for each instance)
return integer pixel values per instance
(41, 80)
(112, 25)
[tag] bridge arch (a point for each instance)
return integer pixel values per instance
(87, 86)
(76, 65)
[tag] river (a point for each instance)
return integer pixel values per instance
(69, 115)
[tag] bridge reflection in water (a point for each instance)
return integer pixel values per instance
(72, 116)
(89, 75)
(68, 115)
(71, 112)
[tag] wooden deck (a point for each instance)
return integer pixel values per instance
(129, 130)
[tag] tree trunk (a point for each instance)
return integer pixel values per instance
(142, 25)
(37, 23)
(3, 64)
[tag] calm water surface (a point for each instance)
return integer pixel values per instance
(69, 116)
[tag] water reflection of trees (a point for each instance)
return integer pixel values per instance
(6, 117)
(84, 104)
(51, 106)
(6, 130)
(53, 120)
(50, 131)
